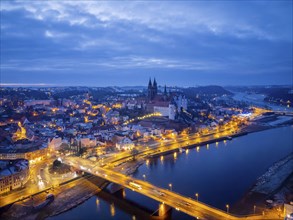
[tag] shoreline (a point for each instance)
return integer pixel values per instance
(265, 189)
(261, 185)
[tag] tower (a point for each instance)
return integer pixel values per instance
(155, 88)
(150, 86)
(152, 89)
(165, 93)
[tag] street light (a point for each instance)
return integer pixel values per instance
(196, 195)
(144, 176)
(254, 208)
(170, 185)
(227, 206)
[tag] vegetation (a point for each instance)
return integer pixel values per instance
(134, 152)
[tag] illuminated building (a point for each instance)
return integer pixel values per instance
(125, 144)
(31, 151)
(13, 174)
(172, 111)
(167, 105)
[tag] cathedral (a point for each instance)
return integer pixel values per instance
(166, 103)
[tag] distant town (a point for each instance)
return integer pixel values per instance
(54, 138)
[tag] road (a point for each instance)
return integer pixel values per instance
(168, 145)
(40, 180)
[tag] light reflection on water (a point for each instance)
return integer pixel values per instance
(213, 174)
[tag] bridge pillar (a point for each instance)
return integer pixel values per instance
(163, 209)
(113, 188)
(121, 193)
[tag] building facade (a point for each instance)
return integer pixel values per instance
(32, 154)
(125, 144)
(13, 175)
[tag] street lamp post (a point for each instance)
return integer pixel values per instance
(227, 207)
(144, 176)
(196, 195)
(254, 208)
(170, 185)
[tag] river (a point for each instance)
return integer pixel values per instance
(220, 173)
(258, 100)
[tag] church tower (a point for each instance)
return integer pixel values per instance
(150, 86)
(155, 88)
(152, 89)
(165, 93)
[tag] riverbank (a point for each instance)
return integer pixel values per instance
(67, 196)
(270, 192)
(275, 176)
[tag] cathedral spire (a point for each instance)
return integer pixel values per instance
(155, 83)
(150, 82)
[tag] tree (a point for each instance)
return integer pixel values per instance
(56, 164)
(134, 152)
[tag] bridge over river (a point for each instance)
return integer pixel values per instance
(166, 197)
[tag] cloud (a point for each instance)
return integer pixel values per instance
(55, 34)
(166, 17)
(26, 84)
(86, 43)
(99, 37)
(163, 63)
(127, 62)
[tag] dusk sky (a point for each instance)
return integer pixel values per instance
(183, 43)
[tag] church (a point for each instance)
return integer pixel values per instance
(152, 89)
(167, 104)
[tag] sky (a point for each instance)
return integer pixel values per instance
(119, 43)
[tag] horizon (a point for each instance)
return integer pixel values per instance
(42, 85)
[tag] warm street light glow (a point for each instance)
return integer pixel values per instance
(142, 117)
(175, 155)
(170, 185)
(20, 133)
(196, 195)
(227, 207)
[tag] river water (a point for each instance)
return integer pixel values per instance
(258, 100)
(220, 173)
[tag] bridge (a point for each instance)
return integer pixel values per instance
(170, 198)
